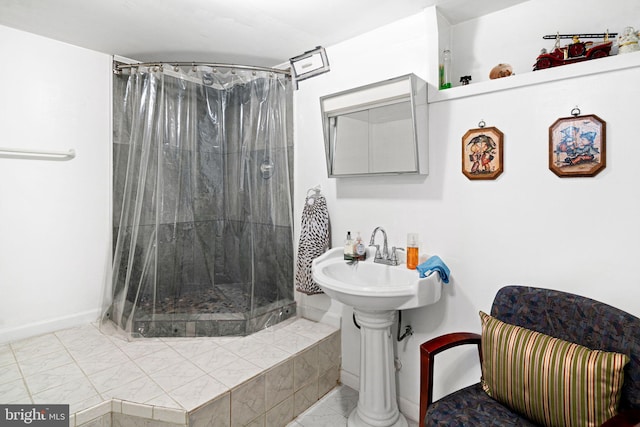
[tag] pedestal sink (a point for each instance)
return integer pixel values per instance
(376, 292)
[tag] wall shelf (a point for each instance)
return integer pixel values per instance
(580, 69)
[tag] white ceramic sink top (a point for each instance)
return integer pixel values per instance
(371, 286)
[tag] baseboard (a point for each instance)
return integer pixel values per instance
(319, 315)
(409, 409)
(43, 327)
(350, 380)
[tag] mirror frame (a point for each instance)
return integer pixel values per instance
(404, 88)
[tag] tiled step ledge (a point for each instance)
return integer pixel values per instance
(283, 391)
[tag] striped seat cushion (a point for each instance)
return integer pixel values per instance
(550, 381)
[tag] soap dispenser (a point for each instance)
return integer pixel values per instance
(360, 250)
(412, 250)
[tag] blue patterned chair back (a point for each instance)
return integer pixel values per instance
(577, 319)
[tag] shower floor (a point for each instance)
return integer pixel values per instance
(221, 299)
(222, 311)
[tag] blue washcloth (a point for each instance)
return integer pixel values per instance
(434, 264)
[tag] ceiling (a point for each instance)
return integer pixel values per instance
(251, 32)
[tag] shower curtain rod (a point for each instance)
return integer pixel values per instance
(119, 66)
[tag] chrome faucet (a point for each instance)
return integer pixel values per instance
(385, 247)
(385, 257)
(382, 258)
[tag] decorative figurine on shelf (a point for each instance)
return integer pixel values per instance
(577, 51)
(465, 80)
(501, 70)
(628, 40)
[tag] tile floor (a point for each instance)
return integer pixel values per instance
(99, 371)
(332, 410)
(88, 368)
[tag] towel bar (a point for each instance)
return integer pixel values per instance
(13, 153)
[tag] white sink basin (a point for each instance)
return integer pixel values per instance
(371, 286)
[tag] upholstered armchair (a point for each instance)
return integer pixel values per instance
(533, 315)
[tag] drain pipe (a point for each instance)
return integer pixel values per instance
(355, 322)
(407, 330)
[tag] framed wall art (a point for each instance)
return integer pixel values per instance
(577, 145)
(482, 152)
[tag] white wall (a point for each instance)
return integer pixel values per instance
(54, 215)
(528, 226)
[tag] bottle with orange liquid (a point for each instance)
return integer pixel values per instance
(412, 250)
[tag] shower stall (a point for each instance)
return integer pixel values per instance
(202, 169)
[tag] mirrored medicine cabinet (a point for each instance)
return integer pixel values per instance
(377, 129)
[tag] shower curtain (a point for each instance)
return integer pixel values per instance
(202, 201)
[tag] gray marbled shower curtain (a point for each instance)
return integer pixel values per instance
(202, 195)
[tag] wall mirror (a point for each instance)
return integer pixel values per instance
(378, 129)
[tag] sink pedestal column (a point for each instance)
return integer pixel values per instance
(377, 404)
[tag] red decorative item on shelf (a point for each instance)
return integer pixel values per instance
(577, 51)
